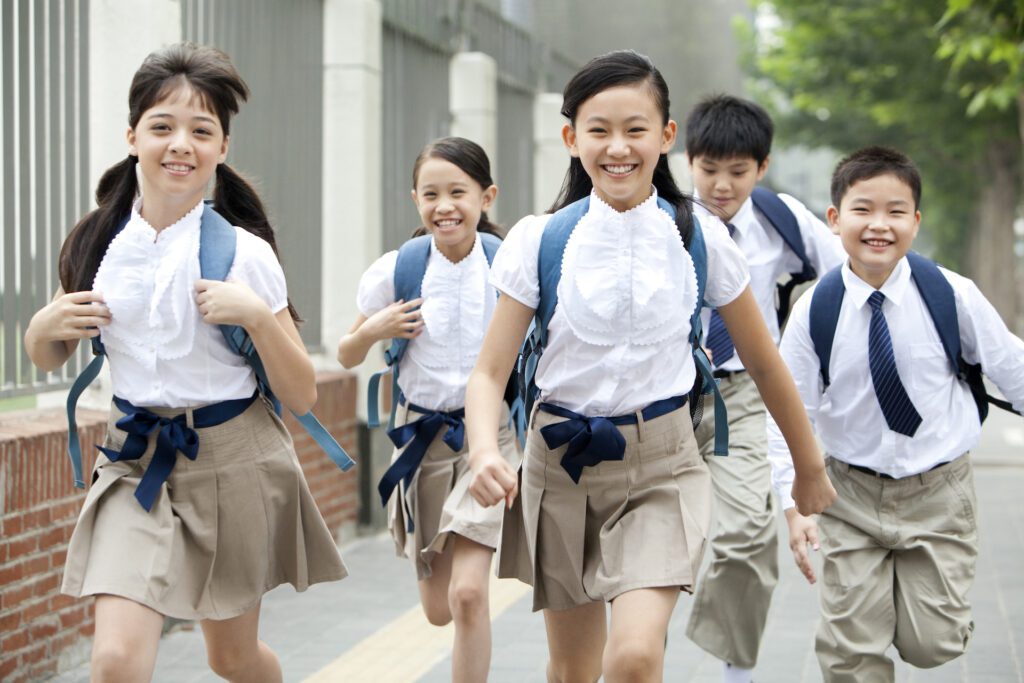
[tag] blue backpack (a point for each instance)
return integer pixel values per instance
(217, 240)
(939, 299)
(552, 245)
(410, 267)
(785, 223)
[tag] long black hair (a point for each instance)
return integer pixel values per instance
(212, 78)
(623, 67)
(472, 160)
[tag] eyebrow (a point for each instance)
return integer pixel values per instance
(164, 115)
(596, 118)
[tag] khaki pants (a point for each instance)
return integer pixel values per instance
(899, 558)
(732, 599)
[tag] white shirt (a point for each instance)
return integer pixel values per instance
(161, 352)
(847, 417)
(617, 340)
(768, 257)
(458, 303)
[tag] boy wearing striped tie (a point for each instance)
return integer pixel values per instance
(871, 350)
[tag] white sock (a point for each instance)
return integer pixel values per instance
(735, 674)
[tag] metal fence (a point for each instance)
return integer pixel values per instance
(277, 139)
(44, 155)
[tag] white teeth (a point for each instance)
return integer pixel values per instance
(448, 222)
(178, 167)
(622, 168)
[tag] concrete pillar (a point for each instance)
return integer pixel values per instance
(473, 101)
(550, 157)
(352, 232)
(679, 164)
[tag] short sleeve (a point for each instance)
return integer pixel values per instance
(257, 265)
(728, 275)
(377, 285)
(514, 271)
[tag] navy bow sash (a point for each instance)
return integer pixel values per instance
(418, 435)
(592, 440)
(173, 436)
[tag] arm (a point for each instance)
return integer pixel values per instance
(289, 369)
(988, 341)
(53, 333)
(400, 319)
(812, 490)
(493, 478)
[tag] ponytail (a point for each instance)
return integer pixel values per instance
(237, 201)
(86, 244)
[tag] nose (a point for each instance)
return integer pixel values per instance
(180, 143)
(619, 146)
(445, 206)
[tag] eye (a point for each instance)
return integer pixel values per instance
(458, 193)
(160, 127)
(597, 131)
(637, 131)
(859, 210)
(203, 131)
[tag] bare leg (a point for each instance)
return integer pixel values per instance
(576, 640)
(434, 589)
(470, 606)
(124, 647)
(636, 644)
(235, 652)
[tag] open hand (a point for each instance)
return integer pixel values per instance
(803, 532)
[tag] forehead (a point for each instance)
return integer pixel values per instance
(439, 172)
(886, 188)
(737, 161)
(620, 102)
(183, 100)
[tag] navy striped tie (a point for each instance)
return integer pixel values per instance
(900, 413)
(718, 341)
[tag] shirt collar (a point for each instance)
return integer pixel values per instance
(740, 222)
(476, 250)
(185, 225)
(602, 210)
(894, 287)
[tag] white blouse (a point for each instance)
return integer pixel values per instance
(458, 303)
(161, 352)
(618, 338)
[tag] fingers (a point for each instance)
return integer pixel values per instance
(203, 285)
(407, 306)
(84, 297)
(803, 560)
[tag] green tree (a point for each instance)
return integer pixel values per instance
(849, 73)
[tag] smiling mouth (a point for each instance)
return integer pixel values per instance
(448, 223)
(876, 242)
(619, 170)
(178, 169)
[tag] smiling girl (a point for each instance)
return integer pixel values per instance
(434, 521)
(206, 539)
(616, 497)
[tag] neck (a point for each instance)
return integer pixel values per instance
(163, 212)
(456, 252)
(875, 278)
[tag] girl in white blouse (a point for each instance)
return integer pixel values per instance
(434, 521)
(204, 536)
(629, 530)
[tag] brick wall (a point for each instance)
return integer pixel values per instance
(42, 631)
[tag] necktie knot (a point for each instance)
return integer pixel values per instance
(732, 230)
(876, 299)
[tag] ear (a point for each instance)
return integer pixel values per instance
(130, 136)
(668, 136)
(917, 222)
(490, 194)
(763, 168)
(223, 150)
(415, 198)
(832, 215)
(569, 138)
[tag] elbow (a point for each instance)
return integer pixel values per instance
(304, 403)
(345, 355)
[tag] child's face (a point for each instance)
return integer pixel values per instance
(179, 144)
(619, 136)
(724, 184)
(877, 222)
(450, 202)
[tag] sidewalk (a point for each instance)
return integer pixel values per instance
(311, 630)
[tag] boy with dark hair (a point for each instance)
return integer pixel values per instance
(728, 141)
(885, 353)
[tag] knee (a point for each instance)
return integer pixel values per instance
(229, 662)
(113, 661)
(437, 613)
(633, 660)
(562, 673)
(467, 600)
(933, 652)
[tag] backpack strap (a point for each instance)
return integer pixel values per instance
(85, 377)
(217, 244)
(785, 223)
(410, 267)
(940, 300)
(826, 302)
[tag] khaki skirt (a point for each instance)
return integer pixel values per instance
(225, 528)
(439, 501)
(641, 522)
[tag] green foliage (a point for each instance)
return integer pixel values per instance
(850, 73)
